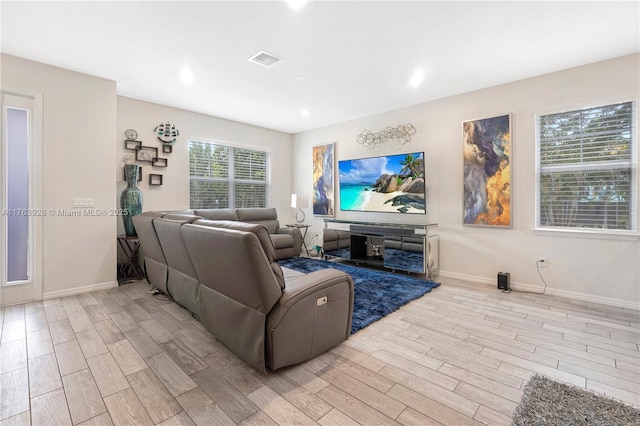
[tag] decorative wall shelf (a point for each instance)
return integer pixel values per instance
(155, 179)
(159, 162)
(132, 145)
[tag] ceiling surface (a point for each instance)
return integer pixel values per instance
(340, 60)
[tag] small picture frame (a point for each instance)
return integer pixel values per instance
(132, 145)
(146, 153)
(159, 162)
(155, 179)
(167, 149)
(124, 174)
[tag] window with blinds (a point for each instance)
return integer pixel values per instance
(586, 168)
(224, 176)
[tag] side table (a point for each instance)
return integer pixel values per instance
(131, 248)
(303, 228)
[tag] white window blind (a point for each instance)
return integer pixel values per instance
(223, 176)
(586, 168)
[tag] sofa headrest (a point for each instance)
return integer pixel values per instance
(256, 214)
(217, 214)
(180, 217)
(152, 213)
(265, 216)
(259, 230)
(147, 235)
(179, 211)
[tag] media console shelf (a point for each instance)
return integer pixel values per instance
(395, 246)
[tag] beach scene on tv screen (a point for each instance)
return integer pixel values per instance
(391, 184)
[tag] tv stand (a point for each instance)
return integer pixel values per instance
(398, 247)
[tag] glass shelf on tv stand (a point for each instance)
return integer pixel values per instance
(405, 247)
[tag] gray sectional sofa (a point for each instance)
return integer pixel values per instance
(225, 272)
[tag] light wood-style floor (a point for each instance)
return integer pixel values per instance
(459, 355)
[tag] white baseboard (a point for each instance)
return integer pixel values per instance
(619, 303)
(79, 290)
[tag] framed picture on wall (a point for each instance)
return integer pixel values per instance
(323, 180)
(487, 171)
(146, 153)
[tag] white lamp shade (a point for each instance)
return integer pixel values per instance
(299, 201)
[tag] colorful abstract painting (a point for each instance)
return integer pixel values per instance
(323, 165)
(487, 171)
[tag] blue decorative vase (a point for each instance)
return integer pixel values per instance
(130, 199)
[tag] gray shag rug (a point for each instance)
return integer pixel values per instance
(547, 402)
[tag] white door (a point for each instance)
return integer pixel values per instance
(21, 213)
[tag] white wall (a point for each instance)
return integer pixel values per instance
(597, 269)
(174, 193)
(79, 115)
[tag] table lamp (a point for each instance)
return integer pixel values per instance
(299, 201)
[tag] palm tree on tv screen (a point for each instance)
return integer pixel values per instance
(412, 164)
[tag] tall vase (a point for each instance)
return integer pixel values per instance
(130, 199)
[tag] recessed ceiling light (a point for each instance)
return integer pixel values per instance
(296, 4)
(416, 78)
(186, 75)
(304, 112)
(301, 77)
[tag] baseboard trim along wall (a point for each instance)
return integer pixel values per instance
(619, 303)
(79, 290)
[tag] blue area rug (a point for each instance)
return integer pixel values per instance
(404, 260)
(376, 293)
(344, 253)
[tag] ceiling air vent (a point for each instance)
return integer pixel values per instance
(265, 59)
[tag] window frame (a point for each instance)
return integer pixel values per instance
(231, 180)
(633, 232)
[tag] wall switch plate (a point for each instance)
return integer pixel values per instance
(321, 301)
(79, 203)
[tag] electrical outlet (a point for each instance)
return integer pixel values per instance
(542, 262)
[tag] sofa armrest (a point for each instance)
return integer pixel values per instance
(312, 316)
(297, 238)
(311, 283)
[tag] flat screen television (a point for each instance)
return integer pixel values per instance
(388, 184)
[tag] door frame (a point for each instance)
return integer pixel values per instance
(30, 290)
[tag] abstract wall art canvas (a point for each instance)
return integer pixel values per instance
(487, 171)
(323, 176)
